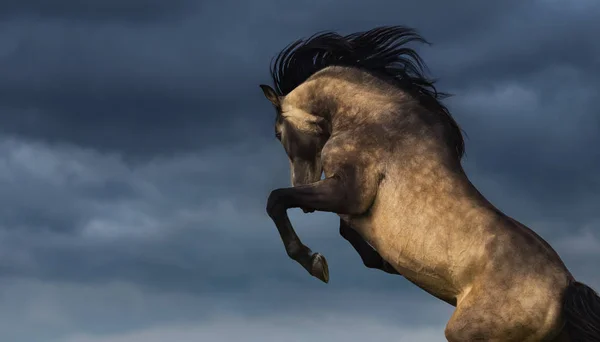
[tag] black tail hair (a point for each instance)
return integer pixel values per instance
(582, 312)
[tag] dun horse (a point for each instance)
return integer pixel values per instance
(359, 109)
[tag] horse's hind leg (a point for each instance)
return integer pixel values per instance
(479, 324)
(499, 316)
(368, 254)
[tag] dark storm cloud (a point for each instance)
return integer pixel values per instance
(130, 10)
(188, 218)
(157, 89)
(141, 90)
(171, 225)
(125, 309)
(144, 90)
(536, 137)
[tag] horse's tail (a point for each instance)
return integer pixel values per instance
(582, 313)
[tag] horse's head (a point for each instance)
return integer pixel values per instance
(302, 135)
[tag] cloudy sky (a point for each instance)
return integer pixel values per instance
(136, 156)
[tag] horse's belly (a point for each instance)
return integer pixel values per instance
(421, 266)
(429, 281)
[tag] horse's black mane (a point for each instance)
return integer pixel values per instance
(380, 51)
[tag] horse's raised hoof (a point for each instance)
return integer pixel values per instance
(319, 267)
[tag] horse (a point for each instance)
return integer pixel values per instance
(368, 138)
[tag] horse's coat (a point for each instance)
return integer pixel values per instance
(358, 109)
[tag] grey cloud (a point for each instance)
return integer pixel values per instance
(73, 312)
(178, 224)
(136, 159)
(110, 87)
(130, 10)
(518, 47)
(537, 137)
(156, 89)
(175, 224)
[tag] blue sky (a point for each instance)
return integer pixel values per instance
(137, 154)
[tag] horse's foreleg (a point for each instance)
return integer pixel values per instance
(330, 194)
(315, 263)
(368, 254)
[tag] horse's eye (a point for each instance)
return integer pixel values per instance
(278, 135)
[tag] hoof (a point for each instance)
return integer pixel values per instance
(319, 267)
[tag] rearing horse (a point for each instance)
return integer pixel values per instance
(358, 109)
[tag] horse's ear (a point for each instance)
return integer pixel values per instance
(271, 95)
